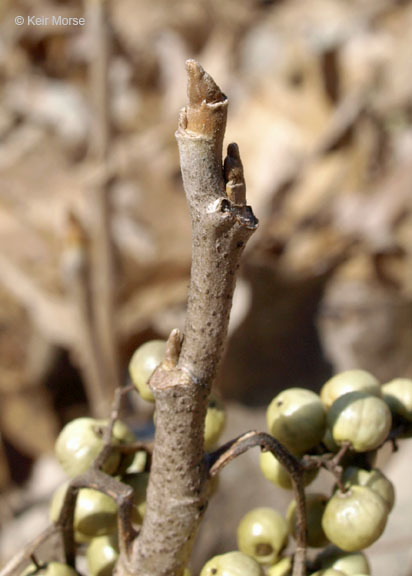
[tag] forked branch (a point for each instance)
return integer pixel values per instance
(224, 455)
(221, 226)
(95, 479)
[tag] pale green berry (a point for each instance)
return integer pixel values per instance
(138, 463)
(281, 568)
(95, 513)
(373, 479)
(139, 483)
(329, 442)
(355, 519)
(50, 569)
(349, 381)
(398, 395)
(57, 502)
(349, 563)
(262, 534)
(81, 441)
(232, 564)
(102, 554)
(143, 363)
(273, 470)
(123, 435)
(315, 507)
(214, 422)
(296, 417)
(55, 509)
(361, 419)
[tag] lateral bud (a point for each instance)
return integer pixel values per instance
(234, 178)
(174, 344)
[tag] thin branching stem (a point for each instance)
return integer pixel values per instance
(217, 460)
(329, 461)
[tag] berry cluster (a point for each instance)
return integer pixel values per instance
(95, 514)
(341, 429)
(80, 443)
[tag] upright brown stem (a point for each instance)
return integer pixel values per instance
(104, 261)
(221, 224)
(220, 227)
(175, 498)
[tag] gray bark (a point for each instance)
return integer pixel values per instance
(221, 224)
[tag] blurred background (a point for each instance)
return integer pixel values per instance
(95, 232)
